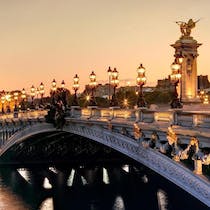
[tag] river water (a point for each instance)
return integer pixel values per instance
(112, 187)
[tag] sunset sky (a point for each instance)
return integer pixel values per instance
(45, 39)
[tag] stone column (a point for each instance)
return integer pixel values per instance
(187, 47)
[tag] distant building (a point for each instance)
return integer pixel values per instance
(203, 82)
(164, 84)
(127, 88)
(101, 90)
(104, 90)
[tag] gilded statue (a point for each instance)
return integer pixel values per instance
(186, 27)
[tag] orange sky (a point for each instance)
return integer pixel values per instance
(45, 39)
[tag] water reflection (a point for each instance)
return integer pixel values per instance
(47, 204)
(90, 188)
(46, 183)
(9, 200)
(119, 203)
(162, 200)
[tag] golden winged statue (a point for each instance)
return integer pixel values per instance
(186, 27)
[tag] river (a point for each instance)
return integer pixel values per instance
(110, 187)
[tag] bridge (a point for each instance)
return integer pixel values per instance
(173, 143)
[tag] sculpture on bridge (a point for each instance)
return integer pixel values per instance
(137, 132)
(186, 27)
(56, 115)
(59, 115)
(151, 142)
(177, 152)
(199, 155)
(155, 143)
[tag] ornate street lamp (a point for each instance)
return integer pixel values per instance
(23, 96)
(16, 99)
(37, 93)
(201, 95)
(53, 91)
(109, 71)
(175, 77)
(92, 86)
(75, 88)
(8, 99)
(41, 91)
(125, 103)
(140, 81)
(33, 93)
(63, 93)
(2, 101)
(62, 84)
(206, 99)
(114, 82)
(179, 60)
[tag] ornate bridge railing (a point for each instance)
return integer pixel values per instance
(10, 124)
(197, 119)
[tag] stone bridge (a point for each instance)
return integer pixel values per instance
(138, 134)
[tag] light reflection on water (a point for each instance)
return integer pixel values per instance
(162, 200)
(71, 178)
(119, 203)
(24, 173)
(95, 188)
(105, 176)
(10, 201)
(47, 204)
(46, 184)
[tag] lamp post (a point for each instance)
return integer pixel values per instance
(63, 93)
(8, 99)
(2, 102)
(33, 93)
(75, 88)
(206, 99)
(23, 96)
(175, 77)
(41, 91)
(53, 91)
(16, 99)
(92, 86)
(109, 71)
(179, 59)
(114, 82)
(37, 93)
(201, 95)
(140, 81)
(125, 103)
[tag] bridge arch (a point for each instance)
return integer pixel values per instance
(154, 160)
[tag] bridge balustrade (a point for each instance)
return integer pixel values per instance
(10, 125)
(175, 117)
(74, 112)
(201, 120)
(123, 114)
(86, 113)
(164, 117)
(147, 116)
(25, 114)
(193, 119)
(185, 119)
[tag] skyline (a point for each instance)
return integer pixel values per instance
(44, 40)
